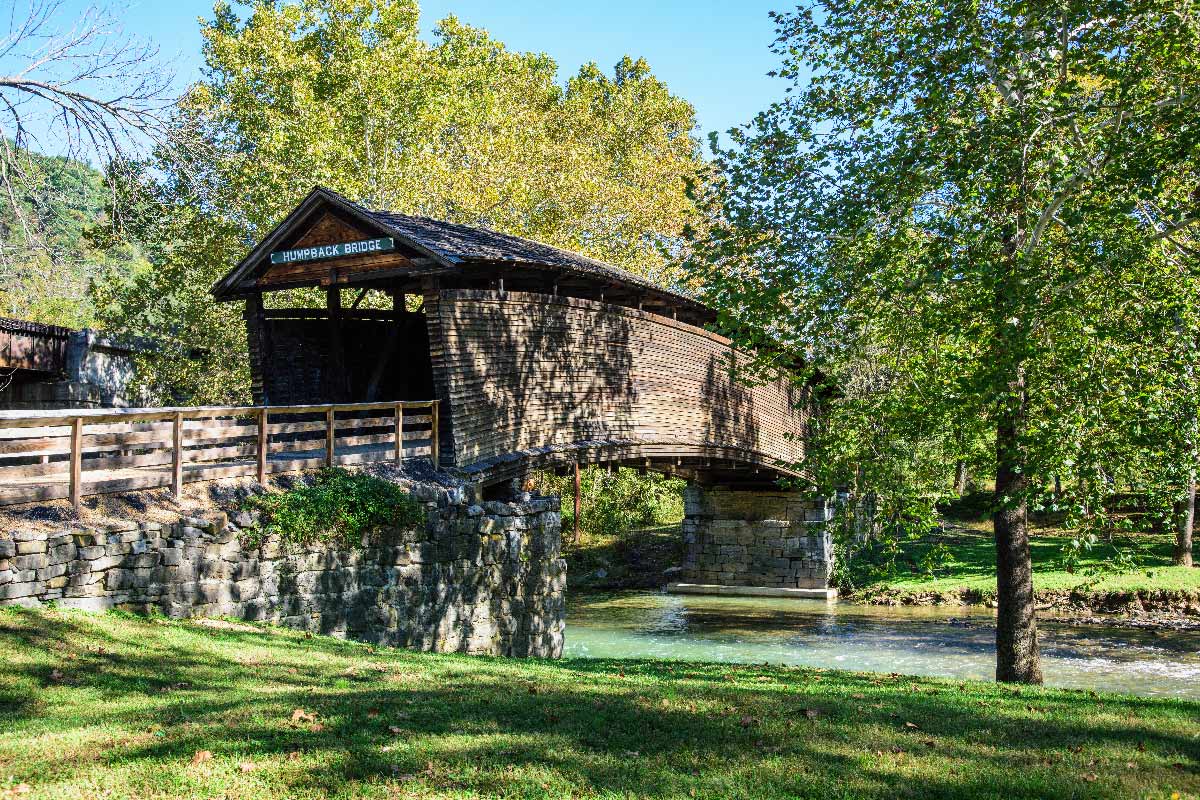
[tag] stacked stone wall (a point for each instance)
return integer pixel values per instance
(477, 577)
(756, 538)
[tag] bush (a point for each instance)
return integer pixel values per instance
(338, 507)
(613, 503)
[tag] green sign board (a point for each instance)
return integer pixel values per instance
(338, 250)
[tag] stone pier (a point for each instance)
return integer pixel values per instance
(756, 542)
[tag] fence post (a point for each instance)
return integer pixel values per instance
(76, 462)
(433, 444)
(177, 455)
(262, 444)
(329, 434)
(399, 432)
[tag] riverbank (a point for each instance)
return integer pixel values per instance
(120, 706)
(1131, 576)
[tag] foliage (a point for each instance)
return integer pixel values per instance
(49, 253)
(614, 503)
(345, 93)
(974, 218)
(963, 558)
(380, 722)
(338, 506)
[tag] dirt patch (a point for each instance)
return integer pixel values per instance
(1152, 608)
(196, 500)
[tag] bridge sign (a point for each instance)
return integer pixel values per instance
(321, 252)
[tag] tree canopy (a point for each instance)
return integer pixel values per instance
(345, 93)
(975, 218)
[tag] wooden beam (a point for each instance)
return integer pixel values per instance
(435, 451)
(399, 432)
(177, 455)
(264, 436)
(577, 502)
(76, 462)
(330, 435)
(337, 356)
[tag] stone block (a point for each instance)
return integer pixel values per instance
(17, 590)
(8, 548)
(30, 562)
(32, 547)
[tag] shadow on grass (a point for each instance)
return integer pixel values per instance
(490, 726)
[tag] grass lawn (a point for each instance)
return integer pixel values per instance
(973, 564)
(116, 706)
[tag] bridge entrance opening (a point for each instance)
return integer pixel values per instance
(342, 353)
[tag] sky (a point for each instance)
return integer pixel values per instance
(714, 54)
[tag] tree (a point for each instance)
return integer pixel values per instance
(963, 186)
(345, 94)
(74, 91)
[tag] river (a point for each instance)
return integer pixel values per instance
(946, 641)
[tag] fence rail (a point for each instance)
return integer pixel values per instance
(69, 453)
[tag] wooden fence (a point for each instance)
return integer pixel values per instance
(69, 453)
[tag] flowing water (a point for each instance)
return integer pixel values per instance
(946, 641)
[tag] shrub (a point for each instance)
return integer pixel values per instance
(617, 502)
(338, 507)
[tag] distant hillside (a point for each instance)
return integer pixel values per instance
(57, 242)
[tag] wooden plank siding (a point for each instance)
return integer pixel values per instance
(521, 371)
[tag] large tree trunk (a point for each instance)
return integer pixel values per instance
(1185, 518)
(1016, 625)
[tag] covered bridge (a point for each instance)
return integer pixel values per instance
(540, 358)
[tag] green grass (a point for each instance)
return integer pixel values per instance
(116, 706)
(971, 567)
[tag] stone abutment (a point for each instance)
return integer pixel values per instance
(481, 577)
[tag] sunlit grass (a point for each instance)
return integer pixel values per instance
(116, 706)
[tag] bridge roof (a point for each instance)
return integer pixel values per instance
(443, 245)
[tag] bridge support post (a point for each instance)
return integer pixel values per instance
(759, 542)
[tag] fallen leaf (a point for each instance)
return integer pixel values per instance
(201, 756)
(247, 766)
(300, 715)
(294, 755)
(912, 725)
(1090, 777)
(811, 713)
(317, 727)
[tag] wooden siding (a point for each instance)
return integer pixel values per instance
(521, 371)
(32, 346)
(329, 229)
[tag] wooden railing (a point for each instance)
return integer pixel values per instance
(69, 453)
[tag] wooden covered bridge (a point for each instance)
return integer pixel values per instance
(534, 358)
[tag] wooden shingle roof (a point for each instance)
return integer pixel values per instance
(467, 244)
(446, 245)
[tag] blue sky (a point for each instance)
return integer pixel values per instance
(715, 54)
